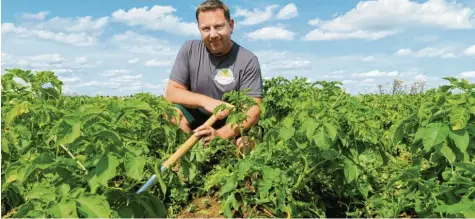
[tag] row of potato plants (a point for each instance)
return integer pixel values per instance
(321, 152)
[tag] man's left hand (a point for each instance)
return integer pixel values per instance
(207, 133)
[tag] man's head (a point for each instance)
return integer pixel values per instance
(215, 25)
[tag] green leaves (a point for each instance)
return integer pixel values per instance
(70, 134)
(434, 134)
(286, 133)
(448, 153)
(379, 155)
(63, 209)
(309, 126)
(105, 170)
(153, 207)
(134, 166)
(111, 135)
(461, 139)
(93, 206)
(18, 109)
(465, 207)
(230, 185)
(41, 192)
(350, 170)
(322, 139)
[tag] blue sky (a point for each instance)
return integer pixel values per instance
(124, 47)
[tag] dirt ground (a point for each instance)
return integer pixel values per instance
(203, 207)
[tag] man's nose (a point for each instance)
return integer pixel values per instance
(213, 34)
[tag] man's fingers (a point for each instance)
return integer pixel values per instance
(220, 115)
(239, 142)
(208, 139)
(202, 127)
(203, 132)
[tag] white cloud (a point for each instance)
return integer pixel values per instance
(368, 59)
(114, 72)
(77, 39)
(55, 62)
(315, 22)
(318, 34)
(78, 31)
(368, 81)
(38, 16)
(468, 74)
(126, 78)
(287, 12)
(48, 58)
(275, 63)
(375, 73)
(433, 52)
(143, 44)
(349, 82)
(403, 52)
(156, 18)
(62, 71)
(256, 16)
(103, 84)
(427, 52)
(69, 79)
(470, 51)
(154, 62)
(420, 77)
(81, 60)
(334, 76)
(338, 72)
(77, 24)
(125, 83)
(133, 61)
(382, 18)
(271, 33)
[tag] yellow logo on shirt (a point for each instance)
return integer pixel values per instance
(224, 76)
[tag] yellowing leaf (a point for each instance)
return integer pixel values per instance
(459, 118)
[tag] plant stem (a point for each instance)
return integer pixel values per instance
(74, 158)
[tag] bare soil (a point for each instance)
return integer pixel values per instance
(202, 207)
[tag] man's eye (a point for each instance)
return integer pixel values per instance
(206, 29)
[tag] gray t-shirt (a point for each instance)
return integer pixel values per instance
(211, 75)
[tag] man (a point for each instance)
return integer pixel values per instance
(205, 69)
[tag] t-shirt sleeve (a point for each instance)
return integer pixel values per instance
(252, 79)
(181, 69)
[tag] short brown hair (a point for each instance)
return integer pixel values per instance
(212, 5)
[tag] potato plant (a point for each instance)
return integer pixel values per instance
(320, 152)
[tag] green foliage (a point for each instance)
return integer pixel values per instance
(320, 152)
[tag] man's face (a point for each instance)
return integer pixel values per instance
(215, 31)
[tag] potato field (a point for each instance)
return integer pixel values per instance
(320, 152)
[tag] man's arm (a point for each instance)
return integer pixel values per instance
(230, 131)
(179, 94)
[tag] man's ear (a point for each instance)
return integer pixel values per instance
(231, 24)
